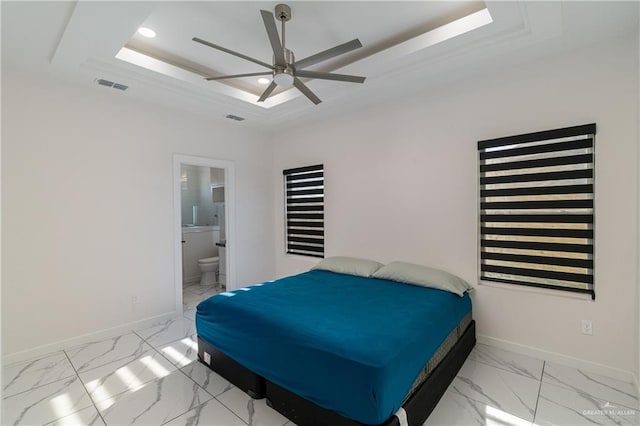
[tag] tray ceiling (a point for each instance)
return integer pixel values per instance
(407, 47)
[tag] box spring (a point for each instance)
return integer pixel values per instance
(239, 376)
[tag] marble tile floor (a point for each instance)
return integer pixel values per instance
(151, 377)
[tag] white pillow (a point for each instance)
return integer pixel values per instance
(423, 276)
(349, 265)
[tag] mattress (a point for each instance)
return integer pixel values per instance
(349, 344)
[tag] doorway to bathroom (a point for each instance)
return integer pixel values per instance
(203, 200)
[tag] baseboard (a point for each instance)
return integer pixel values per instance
(582, 364)
(107, 333)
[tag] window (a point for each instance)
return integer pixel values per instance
(536, 209)
(304, 228)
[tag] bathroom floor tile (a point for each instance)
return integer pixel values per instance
(95, 354)
(509, 361)
(455, 409)
(189, 312)
(508, 392)
(600, 387)
(254, 412)
(167, 331)
(207, 378)
(45, 404)
(561, 406)
(112, 379)
(188, 285)
(155, 403)
(22, 376)
(211, 413)
(192, 298)
(86, 417)
(203, 290)
(181, 352)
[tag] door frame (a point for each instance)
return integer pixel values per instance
(229, 213)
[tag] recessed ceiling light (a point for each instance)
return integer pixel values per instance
(146, 32)
(263, 80)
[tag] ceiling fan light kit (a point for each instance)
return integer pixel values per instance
(283, 78)
(285, 69)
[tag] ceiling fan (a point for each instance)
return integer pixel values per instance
(285, 69)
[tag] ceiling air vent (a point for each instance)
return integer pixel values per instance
(234, 117)
(104, 82)
(107, 83)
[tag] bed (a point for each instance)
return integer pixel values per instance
(329, 348)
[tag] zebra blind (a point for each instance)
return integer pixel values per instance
(536, 209)
(305, 210)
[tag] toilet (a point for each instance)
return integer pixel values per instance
(209, 267)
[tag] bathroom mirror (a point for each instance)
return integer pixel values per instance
(202, 196)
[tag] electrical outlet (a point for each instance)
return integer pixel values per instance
(587, 327)
(134, 300)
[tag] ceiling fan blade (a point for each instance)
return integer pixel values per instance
(267, 92)
(306, 91)
(329, 53)
(224, 77)
(330, 76)
(231, 52)
(274, 38)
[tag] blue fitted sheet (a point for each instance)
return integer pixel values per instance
(350, 344)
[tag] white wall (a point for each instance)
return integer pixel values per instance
(638, 260)
(87, 196)
(401, 184)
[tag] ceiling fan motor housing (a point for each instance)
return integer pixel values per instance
(283, 77)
